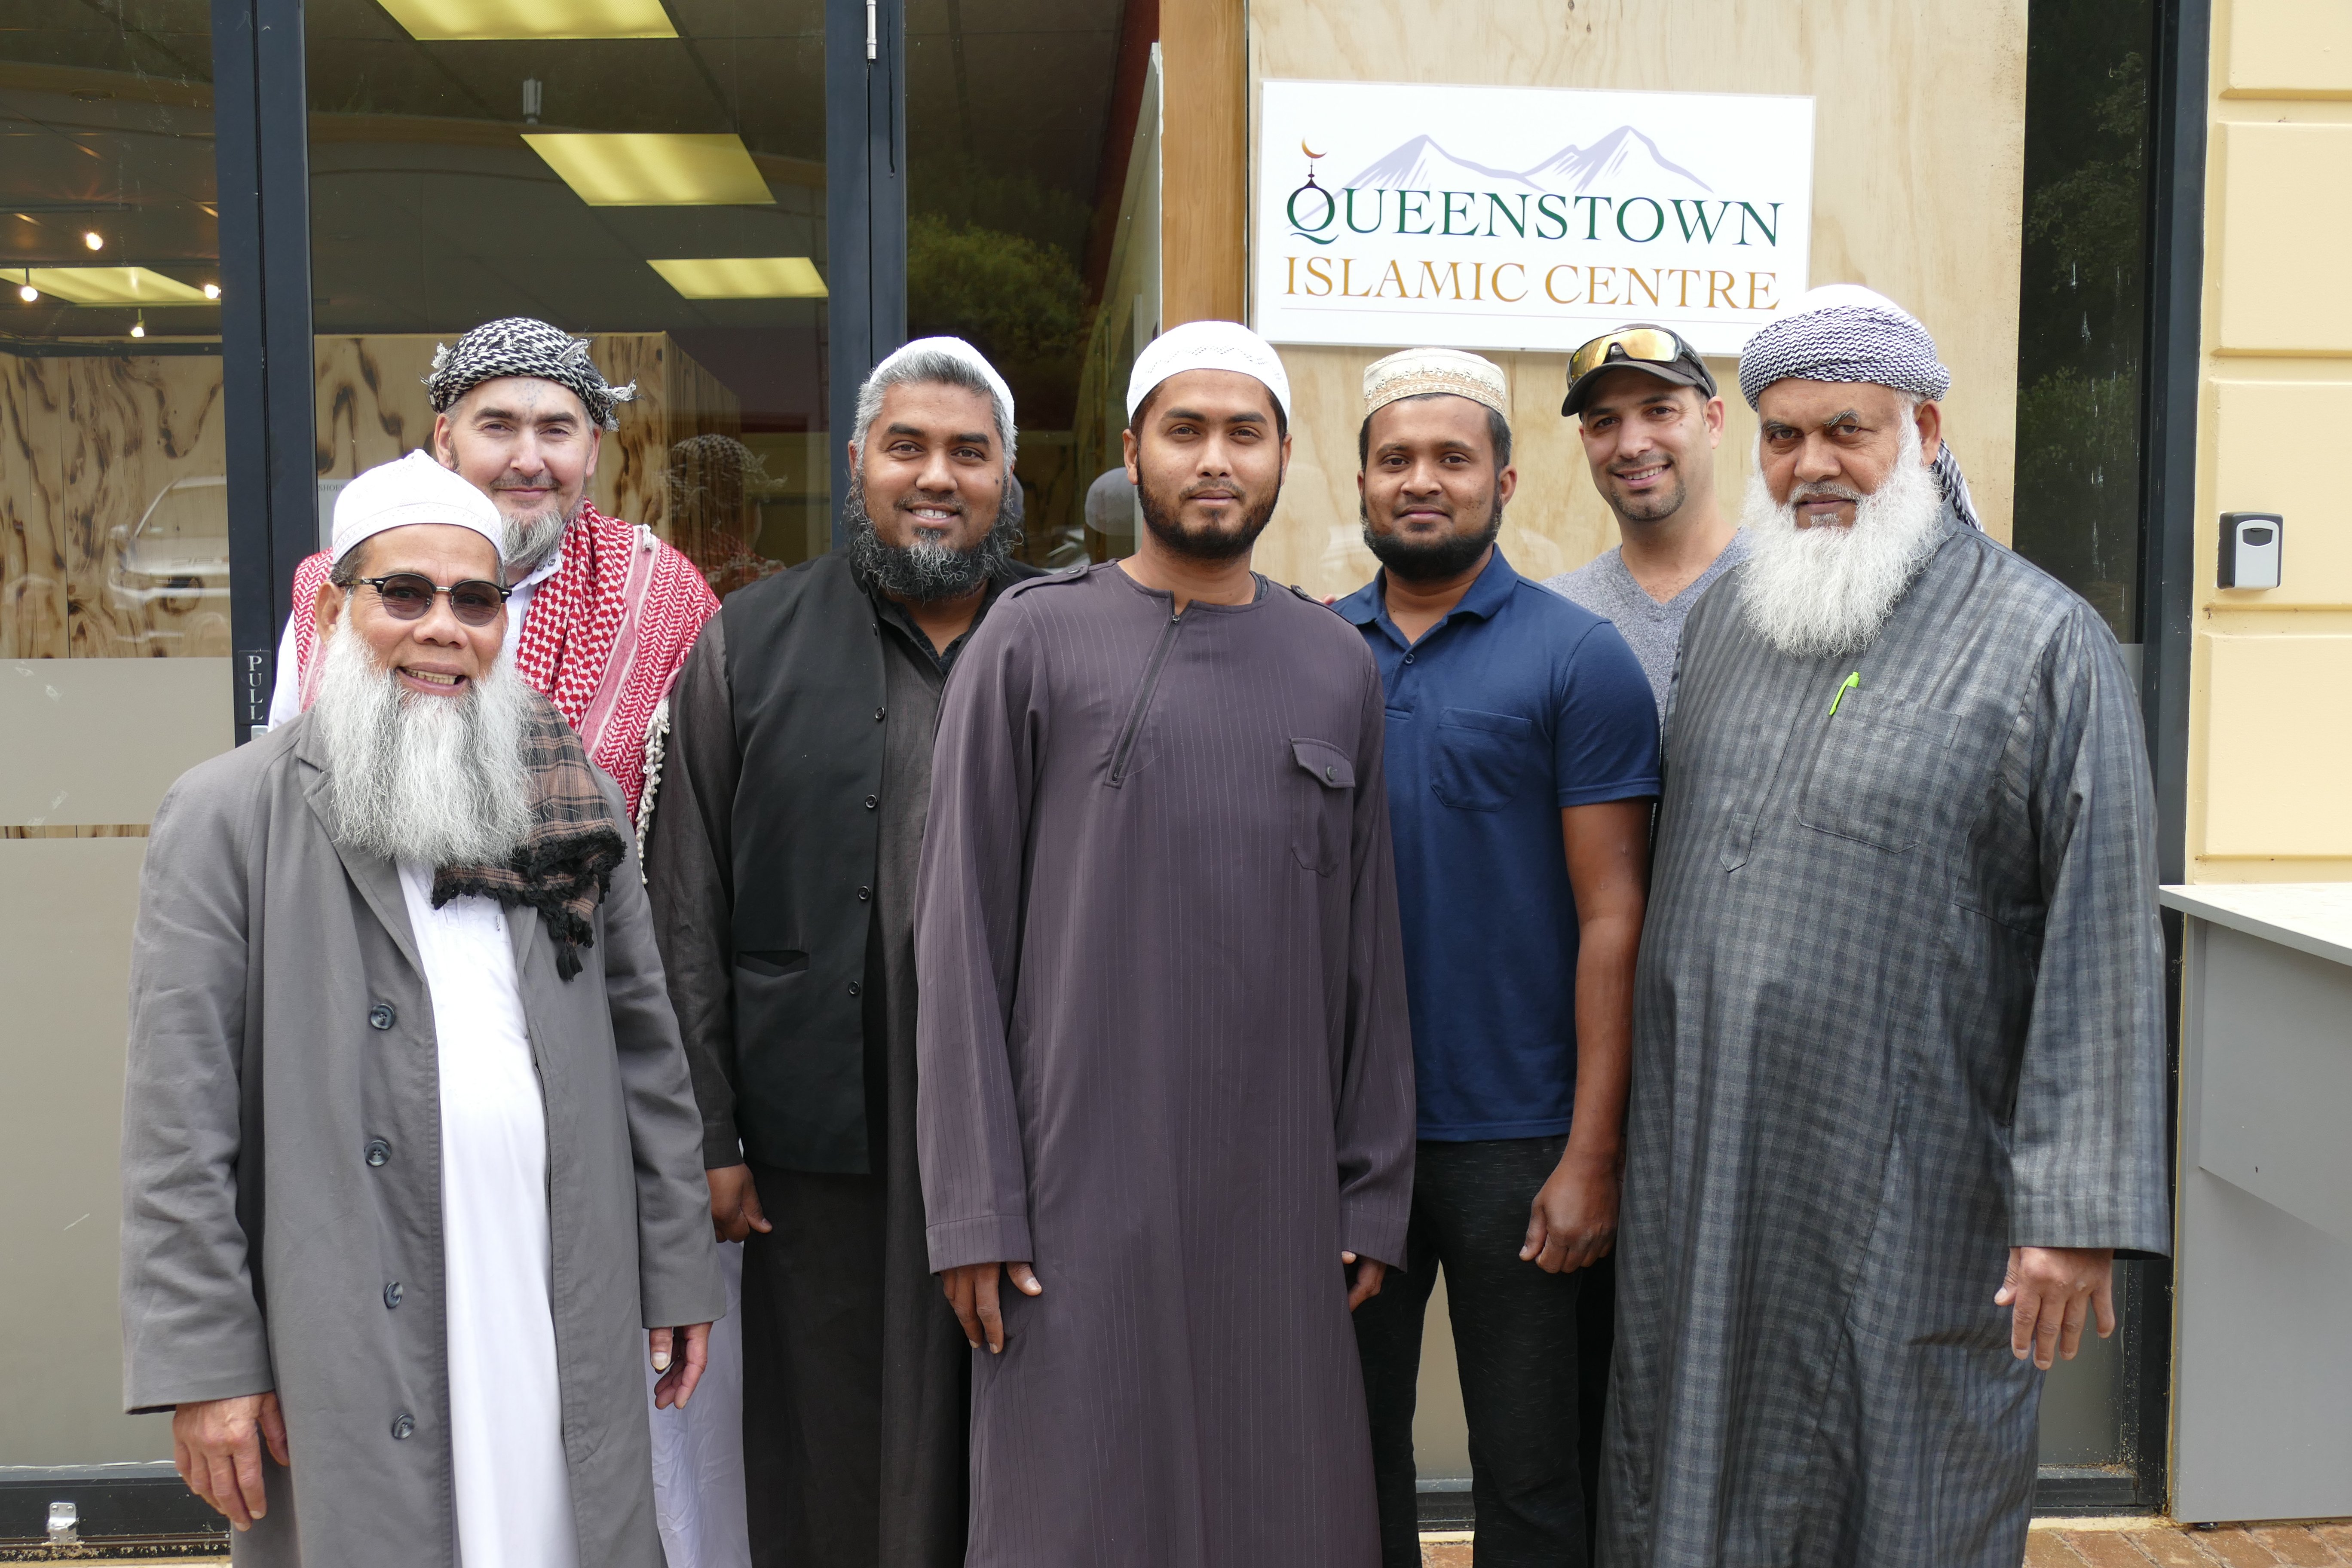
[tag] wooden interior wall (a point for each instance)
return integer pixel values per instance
(1917, 175)
(1203, 155)
(87, 444)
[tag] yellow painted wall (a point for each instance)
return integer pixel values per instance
(2270, 776)
(1917, 173)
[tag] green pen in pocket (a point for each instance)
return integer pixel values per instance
(1853, 683)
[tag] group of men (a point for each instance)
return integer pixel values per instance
(1103, 1001)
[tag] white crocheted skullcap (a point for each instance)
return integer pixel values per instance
(1207, 346)
(410, 490)
(1415, 372)
(955, 349)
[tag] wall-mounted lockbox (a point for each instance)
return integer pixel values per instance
(2252, 542)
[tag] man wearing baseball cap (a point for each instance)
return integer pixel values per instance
(1650, 420)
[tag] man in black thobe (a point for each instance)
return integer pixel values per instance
(782, 869)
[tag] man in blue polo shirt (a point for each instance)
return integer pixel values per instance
(1522, 758)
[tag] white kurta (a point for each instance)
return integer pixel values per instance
(506, 1423)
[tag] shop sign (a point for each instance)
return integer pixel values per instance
(1392, 214)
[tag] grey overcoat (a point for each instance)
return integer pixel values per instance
(281, 1173)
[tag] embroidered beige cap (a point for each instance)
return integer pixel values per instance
(1414, 372)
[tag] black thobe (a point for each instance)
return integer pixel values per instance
(855, 1370)
(1165, 1057)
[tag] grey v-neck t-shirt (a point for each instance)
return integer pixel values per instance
(1654, 631)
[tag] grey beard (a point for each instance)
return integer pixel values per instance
(1812, 591)
(531, 540)
(437, 781)
(924, 572)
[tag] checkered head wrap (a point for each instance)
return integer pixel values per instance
(1845, 332)
(518, 345)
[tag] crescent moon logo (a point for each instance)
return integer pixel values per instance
(1305, 149)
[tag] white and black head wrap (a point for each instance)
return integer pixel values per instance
(1844, 332)
(518, 345)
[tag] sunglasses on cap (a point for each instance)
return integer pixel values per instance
(1644, 345)
(408, 596)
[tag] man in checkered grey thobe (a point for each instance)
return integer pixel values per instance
(1898, 1056)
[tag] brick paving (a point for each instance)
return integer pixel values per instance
(2111, 1544)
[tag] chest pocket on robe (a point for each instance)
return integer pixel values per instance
(1323, 815)
(1883, 773)
(1482, 759)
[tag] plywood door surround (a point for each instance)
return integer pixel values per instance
(1205, 157)
(1917, 180)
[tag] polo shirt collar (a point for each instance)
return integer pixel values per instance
(1368, 605)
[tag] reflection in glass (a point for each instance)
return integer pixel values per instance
(651, 177)
(2083, 311)
(110, 485)
(1033, 225)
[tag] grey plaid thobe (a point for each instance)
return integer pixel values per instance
(1898, 1009)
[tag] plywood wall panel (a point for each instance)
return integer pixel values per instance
(88, 444)
(1917, 175)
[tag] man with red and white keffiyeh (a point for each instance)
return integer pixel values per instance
(603, 613)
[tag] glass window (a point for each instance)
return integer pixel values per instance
(2082, 308)
(1033, 230)
(653, 180)
(116, 510)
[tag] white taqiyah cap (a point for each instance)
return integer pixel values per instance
(413, 490)
(961, 351)
(1415, 372)
(1207, 346)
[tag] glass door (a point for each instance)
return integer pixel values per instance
(649, 174)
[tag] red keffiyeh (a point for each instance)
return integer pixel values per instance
(606, 634)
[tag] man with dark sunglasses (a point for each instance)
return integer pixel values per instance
(410, 1147)
(1650, 421)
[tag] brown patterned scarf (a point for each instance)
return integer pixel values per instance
(565, 863)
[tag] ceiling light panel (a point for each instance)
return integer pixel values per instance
(654, 170)
(113, 286)
(743, 276)
(460, 21)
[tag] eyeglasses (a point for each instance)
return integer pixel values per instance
(408, 596)
(1646, 345)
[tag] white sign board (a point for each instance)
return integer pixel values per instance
(1392, 214)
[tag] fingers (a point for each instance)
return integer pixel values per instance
(959, 1287)
(273, 1430)
(1538, 1234)
(1024, 1278)
(657, 1347)
(224, 1493)
(2022, 1306)
(2103, 1298)
(1370, 1275)
(991, 1321)
(696, 1358)
(755, 1216)
(2069, 1328)
(2050, 1317)
(247, 1456)
(2008, 1293)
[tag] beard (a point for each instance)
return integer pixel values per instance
(1812, 591)
(1164, 520)
(1448, 556)
(926, 570)
(531, 540)
(436, 780)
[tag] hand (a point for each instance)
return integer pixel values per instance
(735, 1211)
(217, 1447)
(972, 1292)
(2049, 1291)
(1572, 1224)
(1366, 1282)
(680, 1363)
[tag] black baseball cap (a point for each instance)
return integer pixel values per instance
(1642, 346)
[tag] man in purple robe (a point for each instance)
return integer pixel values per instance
(1165, 1073)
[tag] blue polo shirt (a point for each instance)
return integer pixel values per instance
(1514, 705)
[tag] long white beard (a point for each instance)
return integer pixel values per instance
(439, 781)
(1811, 591)
(531, 540)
